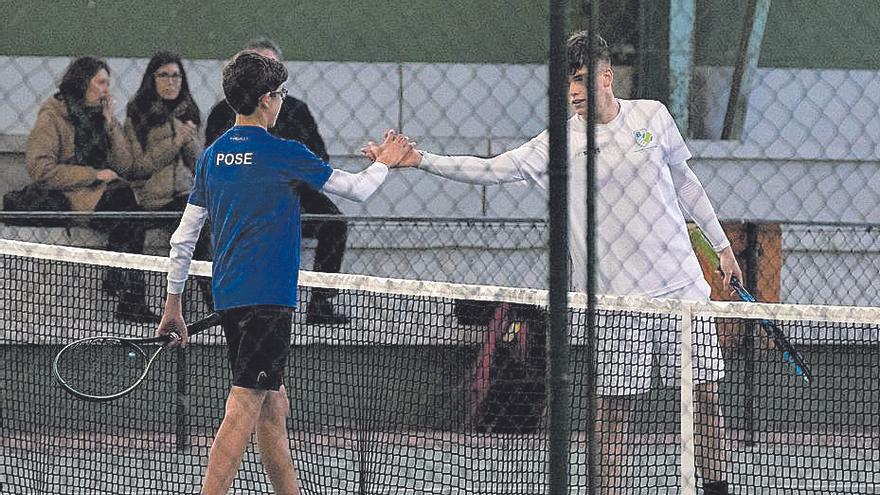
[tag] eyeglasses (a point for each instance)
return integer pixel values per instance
(176, 76)
(281, 92)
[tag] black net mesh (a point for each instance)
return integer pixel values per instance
(440, 388)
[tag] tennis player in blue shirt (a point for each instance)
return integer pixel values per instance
(246, 183)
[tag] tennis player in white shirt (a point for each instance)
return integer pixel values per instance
(643, 248)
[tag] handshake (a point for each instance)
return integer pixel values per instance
(396, 151)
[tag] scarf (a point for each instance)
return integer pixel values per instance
(91, 138)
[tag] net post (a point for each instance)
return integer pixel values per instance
(181, 410)
(688, 464)
(749, 337)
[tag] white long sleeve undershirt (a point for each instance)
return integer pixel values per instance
(503, 168)
(355, 187)
(695, 202)
(359, 186)
(472, 169)
(183, 243)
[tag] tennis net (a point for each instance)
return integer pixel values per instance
(440, 388)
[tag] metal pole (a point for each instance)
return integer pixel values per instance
(557, 169)
(591, 12)
(682, 16)
(746, 65)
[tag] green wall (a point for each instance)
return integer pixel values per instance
(822, 34)
(800, 33)
(339, 30)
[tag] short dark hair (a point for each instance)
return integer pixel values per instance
(264, 43)
(78, 75)
(577, 50)
(248, 76)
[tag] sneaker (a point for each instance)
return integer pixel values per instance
(716, 488)
(135, 312)
(321, 312)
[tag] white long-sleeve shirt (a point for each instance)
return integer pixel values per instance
(643, 183)
(354, 186)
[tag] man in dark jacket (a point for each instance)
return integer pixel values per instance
(296, 122)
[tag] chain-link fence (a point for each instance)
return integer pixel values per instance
(767, 111)
(807, 150)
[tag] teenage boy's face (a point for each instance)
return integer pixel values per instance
(577, 87)
(577, 91)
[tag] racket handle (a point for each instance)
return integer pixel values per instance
(741, 291)
(211, 320)
(199, 326)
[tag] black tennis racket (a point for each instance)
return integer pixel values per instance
(790, 355)
(105, 368)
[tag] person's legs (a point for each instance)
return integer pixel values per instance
(242, 410)
(612, 437)
(274, 444)
(258, 339)
(331, 236)
(711, 454)
(624, 359)
(127, 237)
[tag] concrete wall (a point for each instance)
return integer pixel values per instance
(811, 149)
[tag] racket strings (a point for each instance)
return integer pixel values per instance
(101, 367)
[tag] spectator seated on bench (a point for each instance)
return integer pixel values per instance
(78, 148)
(162, 129)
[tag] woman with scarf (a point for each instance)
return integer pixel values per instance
(78, 147)
(162, 128)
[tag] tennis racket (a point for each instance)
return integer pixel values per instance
(792, 357)
(104, 368)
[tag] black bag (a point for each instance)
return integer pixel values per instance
(469, 312)
(36, 198)
(509, 389)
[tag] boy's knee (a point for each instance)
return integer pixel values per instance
(276, 406)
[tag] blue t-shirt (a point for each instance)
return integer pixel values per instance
(247, 182)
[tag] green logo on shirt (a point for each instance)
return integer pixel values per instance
(643, 137)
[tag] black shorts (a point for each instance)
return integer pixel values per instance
(259, 343)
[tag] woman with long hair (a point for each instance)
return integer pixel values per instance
(79, 148)
(162, 128)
